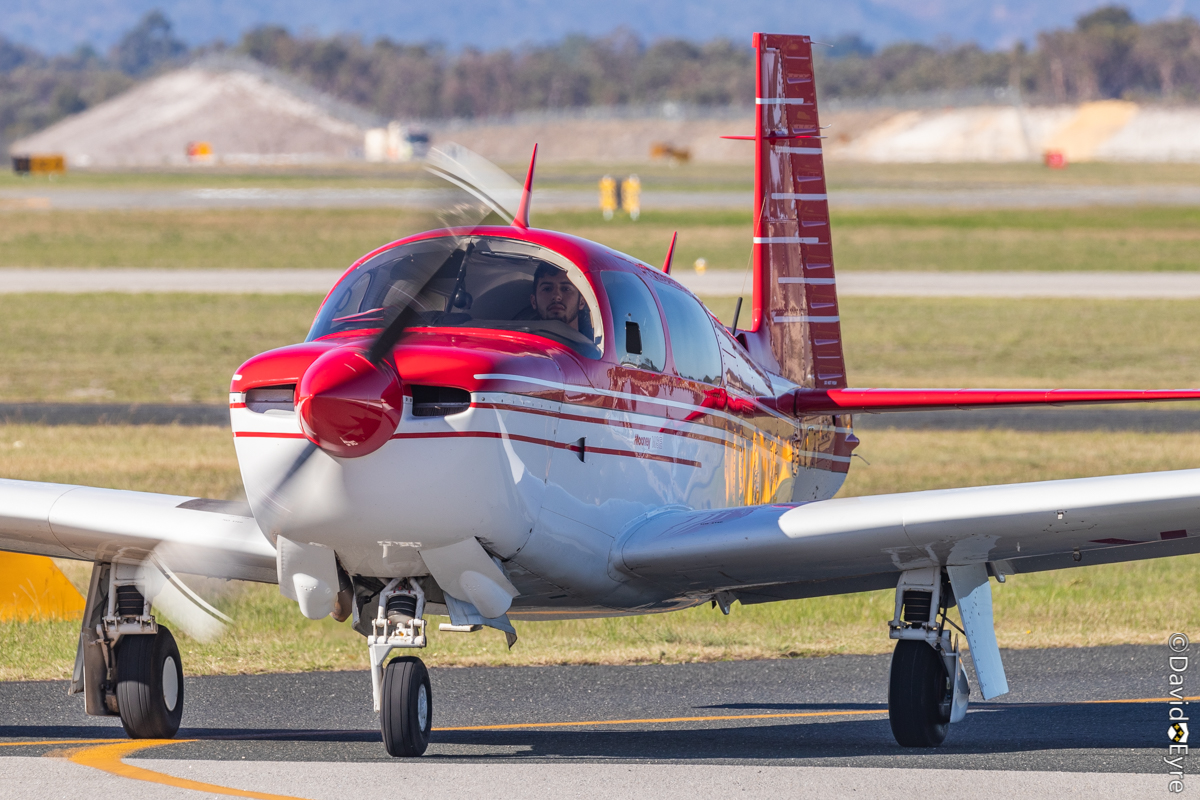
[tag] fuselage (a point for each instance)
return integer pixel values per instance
(543, 449)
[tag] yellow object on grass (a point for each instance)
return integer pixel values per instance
(33, 588)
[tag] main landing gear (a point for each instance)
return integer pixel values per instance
(128, 665)
(927, 689)
(403, 696)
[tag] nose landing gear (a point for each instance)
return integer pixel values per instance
(403, 696)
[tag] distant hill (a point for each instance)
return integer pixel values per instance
(58, 26)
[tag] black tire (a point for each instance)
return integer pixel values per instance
(149, 685)
(917, 695)
(406, 716)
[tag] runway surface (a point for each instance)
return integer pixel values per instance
(1084, 720)
(1034, 196)
(713, 283)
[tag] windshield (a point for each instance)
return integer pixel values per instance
(469, 282)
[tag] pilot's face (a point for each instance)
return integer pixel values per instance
(555, 297)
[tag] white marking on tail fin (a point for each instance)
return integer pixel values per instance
(797, 196)
(785, 240)
(803, 318)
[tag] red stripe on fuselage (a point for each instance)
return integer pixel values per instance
(614, 423)
(548, 443)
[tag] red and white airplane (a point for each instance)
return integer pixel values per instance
(502, 423)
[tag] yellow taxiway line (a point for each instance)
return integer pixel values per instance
(108, 756)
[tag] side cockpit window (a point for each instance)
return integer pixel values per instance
(469, 282)
(637, 328)
(693, 340)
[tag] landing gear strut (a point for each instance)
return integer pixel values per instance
(127, 664)
(403, 696)
(927, 689)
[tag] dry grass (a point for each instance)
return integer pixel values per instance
(139, 348)
(201, 239)
(1110, 604)
(172, 459)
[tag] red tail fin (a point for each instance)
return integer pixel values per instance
(795, 326)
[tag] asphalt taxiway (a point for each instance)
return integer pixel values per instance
(1089, 719)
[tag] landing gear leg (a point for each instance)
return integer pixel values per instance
(403, 696)
(127, 664)
(927, 688)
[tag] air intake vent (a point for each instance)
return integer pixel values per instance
(268, 398)
(439, 401)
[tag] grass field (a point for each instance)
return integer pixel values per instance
(1069, 608)
(184, 348)
(1128, 239)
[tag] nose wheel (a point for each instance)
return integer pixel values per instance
(406, 711)
(149, 685)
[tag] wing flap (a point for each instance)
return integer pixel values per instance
(204, 538)
(843, 542)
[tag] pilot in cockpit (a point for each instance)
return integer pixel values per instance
(555, 297)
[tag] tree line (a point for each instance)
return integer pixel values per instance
(1106, 54)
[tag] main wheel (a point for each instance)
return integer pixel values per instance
(406, 716)
(149, 685)
(918, 695)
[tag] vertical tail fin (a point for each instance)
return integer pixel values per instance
(795, 327)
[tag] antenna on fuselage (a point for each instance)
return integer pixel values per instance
(521, 220)
(670, 254)
(737, 312)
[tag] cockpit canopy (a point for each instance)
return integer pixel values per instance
(469, 282)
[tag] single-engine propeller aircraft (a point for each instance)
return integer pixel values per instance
(498, 423)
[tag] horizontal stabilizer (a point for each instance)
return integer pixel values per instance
(874, 401)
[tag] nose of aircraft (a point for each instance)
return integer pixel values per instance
(348, 406)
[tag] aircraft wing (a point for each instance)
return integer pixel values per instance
(773, 552)
(205, 537)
